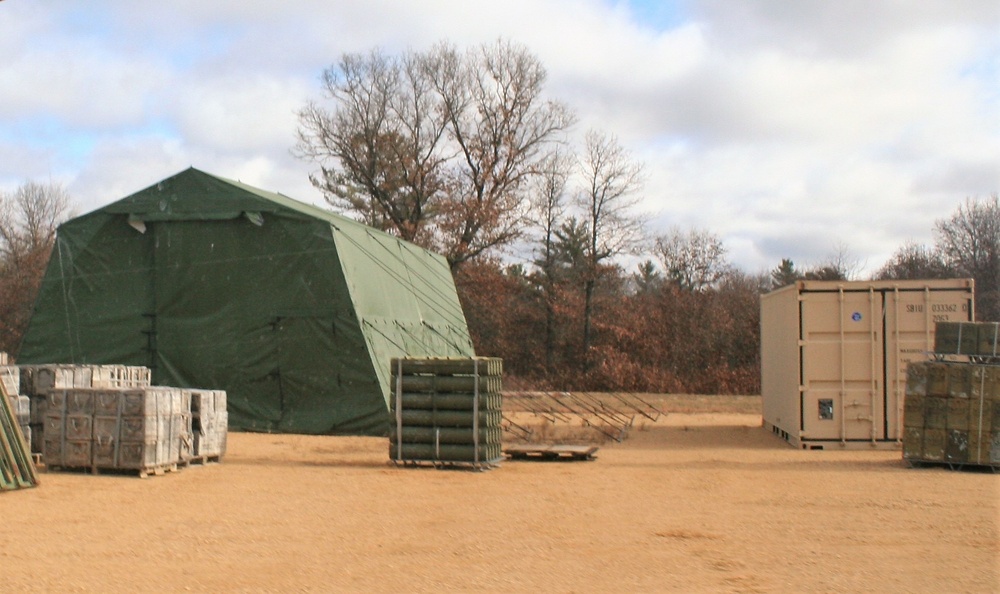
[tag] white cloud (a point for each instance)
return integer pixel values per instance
(784, 127)
(124, 165)
(239, 113)
(77, 81)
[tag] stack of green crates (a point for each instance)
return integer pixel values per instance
(980, 340)
(952, 414)
(446, 411)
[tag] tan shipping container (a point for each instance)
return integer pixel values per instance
(834, 355)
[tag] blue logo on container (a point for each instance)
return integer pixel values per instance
(856, 316)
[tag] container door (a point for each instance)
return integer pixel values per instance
(909, 327)
(842, 365)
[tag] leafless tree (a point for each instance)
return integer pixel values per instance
(380, 151)
(549, 191)
(549, 207)
(915, 261)
(840, 265)
(29, 217)
(503, 129)
(611, 180)
(970, 242)
(437, 147)
(693, 260)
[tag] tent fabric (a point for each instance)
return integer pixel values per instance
(293, 310)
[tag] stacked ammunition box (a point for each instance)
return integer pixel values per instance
(952, 408)
(209, 424)
(109, 417)
(119, 376)
(446, 411)
(38, 381)
(977, 340)
(142, 429)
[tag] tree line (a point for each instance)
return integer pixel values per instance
(460, 151)
(687, 320)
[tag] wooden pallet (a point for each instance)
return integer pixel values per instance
(967, 466)
(446, 464)
(566, 453)
(140, 472)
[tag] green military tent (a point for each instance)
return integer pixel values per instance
(293, 310)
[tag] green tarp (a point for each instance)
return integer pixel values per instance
(293, 310)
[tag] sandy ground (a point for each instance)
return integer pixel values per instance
(703, 500)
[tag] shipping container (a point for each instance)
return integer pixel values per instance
(834, 355)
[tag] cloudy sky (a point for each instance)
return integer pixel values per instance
(789, 128)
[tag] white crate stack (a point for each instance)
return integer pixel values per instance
(120, 376)
(142, 429)
(19, 403)
(209, 424)
(38, 381)
(109, 417)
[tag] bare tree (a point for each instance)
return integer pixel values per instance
(693, 260)
(379, 151)
(612, 179)
(915, 261)
(503, 130)
(437, 147)
(549, 204)
(549, 198)
(970, 242)
(29, 217)
(840, 265)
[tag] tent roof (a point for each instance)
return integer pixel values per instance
(194, 195)
(210, 197)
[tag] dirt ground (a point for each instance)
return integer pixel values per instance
(702, 500)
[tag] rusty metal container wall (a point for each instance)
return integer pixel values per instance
(834, 355)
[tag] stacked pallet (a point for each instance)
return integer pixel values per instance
(38, 381)
(138, 429)
(952, 414)
(209, 425)
(446, 411)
